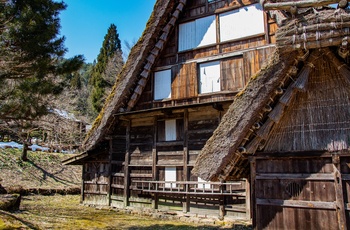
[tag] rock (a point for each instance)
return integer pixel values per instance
(10, 202)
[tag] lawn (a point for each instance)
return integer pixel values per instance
(65, 212)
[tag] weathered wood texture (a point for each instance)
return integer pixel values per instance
(184, 83)
(140, 152)
(235, 72)
(235, 69)
(301, 192)
(286, 5)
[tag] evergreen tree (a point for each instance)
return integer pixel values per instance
(101, 75)
(31, 61)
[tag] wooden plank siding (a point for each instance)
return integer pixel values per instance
(138, 152)
(240, 58)
(184, 84)
(232, 74)
(301, 192)
(254, 60)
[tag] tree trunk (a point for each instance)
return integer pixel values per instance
(24, 156)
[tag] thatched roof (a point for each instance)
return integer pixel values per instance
(262, 118)
(136, 71)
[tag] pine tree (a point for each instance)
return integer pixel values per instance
(31, 57)
(101, 75)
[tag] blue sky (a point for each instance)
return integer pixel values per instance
(85, 23)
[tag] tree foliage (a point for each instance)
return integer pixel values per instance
(31, 59)
(109, 63)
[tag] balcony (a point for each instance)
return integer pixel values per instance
(236, 188)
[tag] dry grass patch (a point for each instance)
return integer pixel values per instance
(65, 212)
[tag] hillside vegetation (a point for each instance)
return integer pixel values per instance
(42, 173)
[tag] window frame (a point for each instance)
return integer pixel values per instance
(178, 131)
(200, 85)
(158, 85)
(248, 30)
(198, 38)
(218, 27)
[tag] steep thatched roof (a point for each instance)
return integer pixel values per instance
(255, 117)
(136, 70)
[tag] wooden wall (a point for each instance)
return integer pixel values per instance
(239, 59)
(138, 152)
(301, 192)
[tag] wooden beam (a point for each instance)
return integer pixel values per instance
(338, 188)
(252, 195)
(154, 160)
(109, 188)
(126, 167)
(297, 203)
(186, 204)
(247, 199)
(298, 4)
(82, 184)
(222, 211)
(293, 176)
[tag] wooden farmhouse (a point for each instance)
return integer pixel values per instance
(177, 84)
(288, 131)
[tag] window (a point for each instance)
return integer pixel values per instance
(200, 32)
(243, 22)
(170, 175)
(162, 84)
(170, 130)
(209, 77)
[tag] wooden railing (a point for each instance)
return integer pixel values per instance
(236, 188)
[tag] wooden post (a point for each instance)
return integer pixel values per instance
(267, 29)
(247, 199)
(186, 203)
(253, 205)
(126, 167)
(218, 34)
(222, 201)
(154, 161)
(109, 188)
(338, 186)
(82, 184)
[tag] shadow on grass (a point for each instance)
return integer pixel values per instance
(51, 175)
(24, 222)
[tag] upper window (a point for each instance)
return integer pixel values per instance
(162, 84)
(234, 24)
(197, 33)
(209, 77)
(170, 130)
(242, 22)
